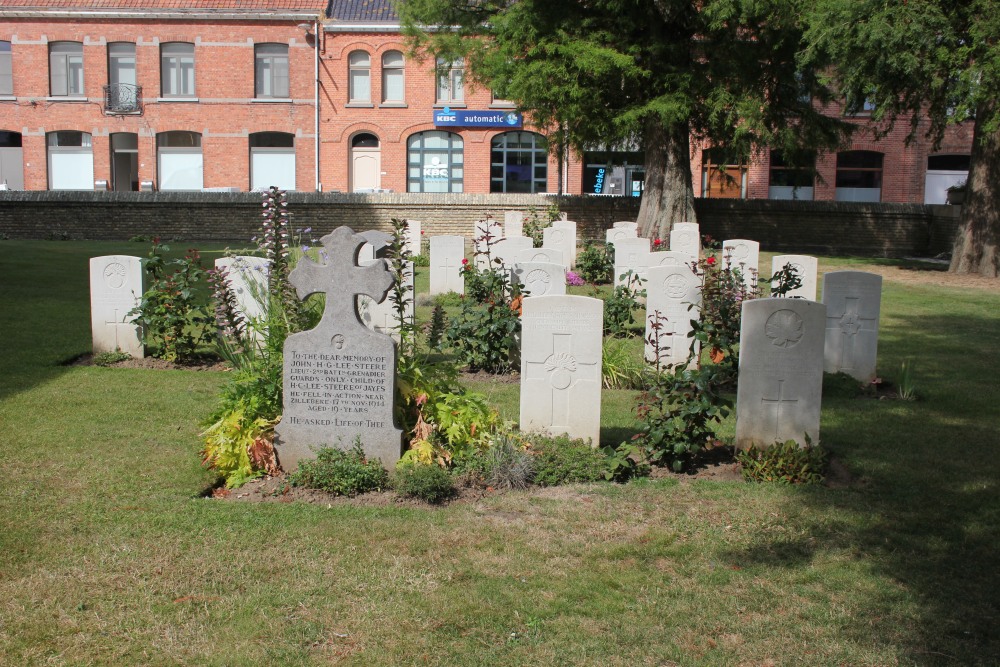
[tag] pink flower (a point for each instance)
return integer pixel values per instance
(465, 261)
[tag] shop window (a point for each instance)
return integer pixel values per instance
(393, 91)
(271, 70)
(723, 176)
(519, 162)
(177, 70)
(71, 160)
(6, 69)
(791, 180)
(179, 161)
(859, 176)
(360, 77)
(272, 160)
(450, 81)
(66, 69)
(435, 162)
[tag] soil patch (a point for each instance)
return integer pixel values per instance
(513, 377)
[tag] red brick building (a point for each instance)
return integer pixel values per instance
(218, 94)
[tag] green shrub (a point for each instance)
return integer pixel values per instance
(784, 463)
(621, 367)
(430, 483)
(507, 464)
(229, 442)
(620, 307)
(560, 460)
(448, 300)
(342, 472)
(596, 264)
(110, 358)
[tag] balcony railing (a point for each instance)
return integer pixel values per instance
(122, 98)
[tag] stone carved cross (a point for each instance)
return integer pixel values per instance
(777, 404)
(560, 368)
(850, 323)
(341, 278)
(118, 323)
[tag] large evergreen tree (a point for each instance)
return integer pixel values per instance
(932, 62)
(647, 73)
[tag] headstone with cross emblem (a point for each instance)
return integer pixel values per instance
(339, 378)
(631, 254)
(780, 388)
(853, 301)
(116, 286)
(685, 237)
(540, 278)
(673, 299)
(513, 224)
(247, 278)
(383, 316)
(447, 253)
(742, 255)
(561, 366)
(805, 268)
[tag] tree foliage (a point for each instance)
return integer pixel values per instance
(647, 73)
(930, 63)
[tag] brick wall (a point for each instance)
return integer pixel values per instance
(808, 227)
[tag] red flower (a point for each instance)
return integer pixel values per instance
(710, 261)
(657, 241)
(465, 261)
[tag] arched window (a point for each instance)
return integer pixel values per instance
(360, 77)
(859, 176)
(179, 161)
(519, 162)
(435, 162)
(71, 160)
(392, 78)
(272, 160)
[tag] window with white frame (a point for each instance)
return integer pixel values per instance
(450, 81)
(272, 160)
(71, 160)
(393, 78)
(121, 63)
(66, 69)
(271, 70)
(177, 69)
(359, 77)
(179, 163)
(6, 69)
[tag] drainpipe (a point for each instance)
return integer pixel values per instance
(319, 185)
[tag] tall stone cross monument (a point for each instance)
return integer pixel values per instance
(339, 378)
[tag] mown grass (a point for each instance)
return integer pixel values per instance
(108, 554)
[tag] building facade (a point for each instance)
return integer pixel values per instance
(239, 95)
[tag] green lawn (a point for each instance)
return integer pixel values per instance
(108, 554)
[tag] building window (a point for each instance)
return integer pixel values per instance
(722, 175)
(435, 162)
(519, 162)
(360, 77)
(791, 181)
(450, 81)
(71, 161)
(859, 176)
(179, 161)
(497, 101)
(854, 106)
(177, 70)
(944, 172)
(11, 160)
(121, 63)
(6, 70)
(392, 78)
(272, 160)
(66, 69)
(271, 70)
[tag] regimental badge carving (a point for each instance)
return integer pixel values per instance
(675, 286)
(337, 342)
(684, 237)
(562, 366)
(740, 251)
(114, 275)
(537, 282)
(785, 328)
(557, 236)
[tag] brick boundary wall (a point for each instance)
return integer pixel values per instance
(829, 228)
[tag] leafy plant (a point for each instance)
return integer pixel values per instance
(239, 448)
(342, 472)
(783, 462)
(535, 222)
(905, 388)
(430, 483)
(723, 292)
(110, 358)
(507, 465)
(785, 280)
(620, 307)
(621, 368)
(561, 460)
(596, 263)
(437, 328)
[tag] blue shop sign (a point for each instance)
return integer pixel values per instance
(454, 118)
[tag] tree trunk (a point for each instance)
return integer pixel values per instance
(976, 244)
(667, 195)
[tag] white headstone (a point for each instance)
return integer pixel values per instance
(853, 302)
(541, 278)
(744, 255)
(375, 242)
(674, 292)
(447, 253)
(116, 287)
(485, 234)
(560, 236)
(413, 236)
(340, 377)
(548, 255)
(561, 366)
(625, 224)
(631, 254)
(616, 234)
(686, 237)
(805, 268)
(381, 316)
(513, 224)
(670, 258)
(780, 371)
(507, 250)
(247, 278)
